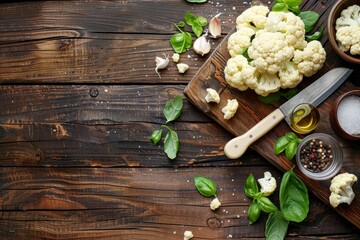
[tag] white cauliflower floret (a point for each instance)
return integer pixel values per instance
(212, 96)
(182, 67)
(176, 57)
(238, 70)
(215, 204)
(267, 184)
(239, 41)
(230, 109)
(188, 235)
(289, 75)
(290, 25)
(349, 17)
(341, 189)
(311, 59)
(349, 39)
(267, 83)
(254, 17)
(268, 50)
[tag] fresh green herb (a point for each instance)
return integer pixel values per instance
(205, 186)
(181, 24)
(196, 1)
(274, 97)
(196, 23)
(251, 188)
(254, 212)
(156, 136)
(171, 143)
(288, 143)
(315, 36)
(276, 226)
(279, 7)
(309, 18)
(266, 205)
(181, 41)
(294, 198)
(173, 109)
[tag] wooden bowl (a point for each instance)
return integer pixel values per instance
(334, 120)
(335, 14)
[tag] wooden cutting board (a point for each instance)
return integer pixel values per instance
(251, 111)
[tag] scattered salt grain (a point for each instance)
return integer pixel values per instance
(348, 114)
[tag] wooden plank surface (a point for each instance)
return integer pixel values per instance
(79, 98)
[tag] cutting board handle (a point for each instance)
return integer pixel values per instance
(236, 147)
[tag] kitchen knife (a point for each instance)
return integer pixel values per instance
(314, 94)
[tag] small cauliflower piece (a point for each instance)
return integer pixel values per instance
(268, 50)
(267, 184)
(237, 71)
(348, 17)
(230, 109)
(215, 204)
(188, 235)
(182, 67)
(176, 57)
(212, 96)
(341, 189)
(311, 59)
(239, 41)
(254, 17)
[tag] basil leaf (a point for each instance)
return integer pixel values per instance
(196, 1)
(251, 188)
(290, 150)
(291, 136)
(315, 36)
(309, 18)
(203, 21)
(293, 3)
(156, 136)
(205, 186)
(181, 24)
(279, 1)
(289, 94)
(197, 28)
(279, 7)
(189, 18)
(280, 145)
(254, 212)
(180, 42)
(271, 98)
(171, 143)
(172, 109)
(266, 205)
(276, 226)
(296, 10)
(294, 198)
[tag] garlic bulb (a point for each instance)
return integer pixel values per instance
(215, 26)
(161, 63)
(202, 45)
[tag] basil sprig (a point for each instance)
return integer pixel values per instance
(288, 143)
(196, 23)
(205, 186)
(181, 41)
(171, 111)
(294, 204)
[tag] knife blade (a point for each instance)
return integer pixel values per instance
(314, 94)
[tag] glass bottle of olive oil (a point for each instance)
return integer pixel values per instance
(304, 118)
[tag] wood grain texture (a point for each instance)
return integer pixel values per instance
(251, 111)
(137, 203)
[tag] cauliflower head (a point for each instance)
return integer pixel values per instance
(239, 41)
(341, 189)
(348, 38)
(348, 17)
(237, 71)
(268, 50)
(290, 25)
(254, 17)
(311, 59)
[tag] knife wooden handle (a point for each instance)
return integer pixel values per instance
(237, 146)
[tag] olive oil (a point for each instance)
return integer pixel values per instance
(304, 118)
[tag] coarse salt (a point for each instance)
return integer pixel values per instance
(348, 114)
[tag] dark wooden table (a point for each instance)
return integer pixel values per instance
(79, 99)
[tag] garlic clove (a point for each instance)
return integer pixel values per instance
(161, 63)
(202, 45)
(215, 26)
